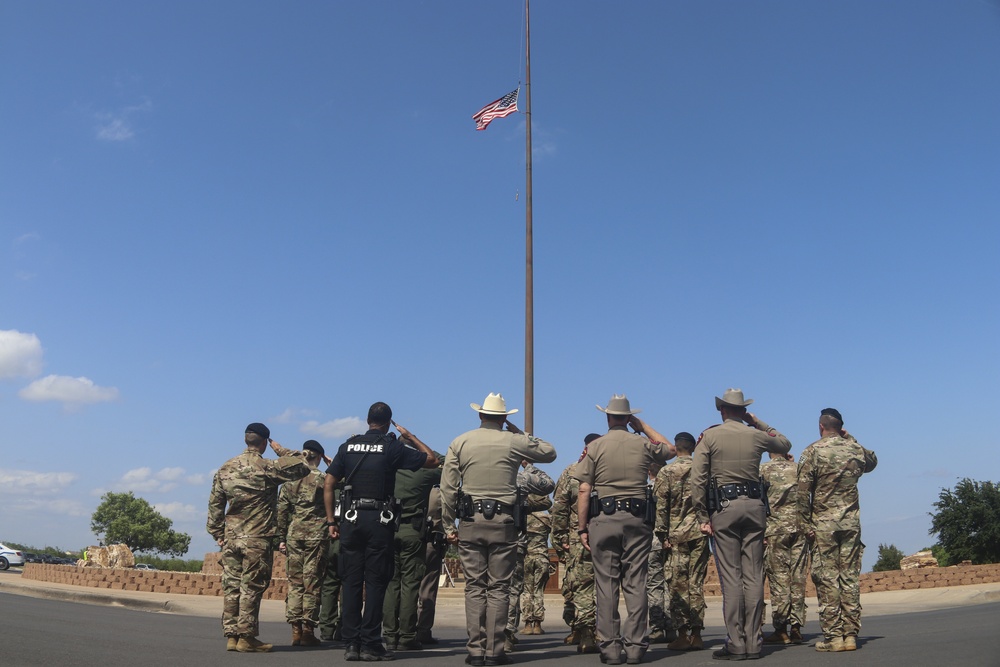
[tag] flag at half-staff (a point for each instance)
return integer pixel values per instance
(500, 108)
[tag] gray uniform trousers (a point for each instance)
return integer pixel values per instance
(619, 547)
(739, 556)
(488, 549)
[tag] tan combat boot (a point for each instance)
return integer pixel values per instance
(252, 645)
(309, 636)
(528, 629)
(696, 642)
(779, 636)
(832, 645)
(296, 633)
(795, 634)
(850, 643)
(231, 643)
(682, 643)
(538, 628)
(588, 642)
(573, 637)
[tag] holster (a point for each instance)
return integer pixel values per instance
(649, 517)
(463, 506)
(346, 500)
(764, 487)
(712, 496)
(520, 510)
(595, 505)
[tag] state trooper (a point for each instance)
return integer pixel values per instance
(365, 523)
(478, 487)
(620, 531)
(726, 469)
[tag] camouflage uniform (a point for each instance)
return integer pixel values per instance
(677, 524)
(829, 470)
(302, 527)
(578, 577)
(241, 513)
(786, 556)
(657, 585)
(536, 566)
(531, 479)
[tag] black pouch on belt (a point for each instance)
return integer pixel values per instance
(489, 508)
(609, 505)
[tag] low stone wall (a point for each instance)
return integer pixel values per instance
(194, 583)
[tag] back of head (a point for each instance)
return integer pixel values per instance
(256, 435)
(684, 442)
(831, 420)
(379, 414)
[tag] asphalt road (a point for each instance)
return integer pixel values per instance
(55, 633)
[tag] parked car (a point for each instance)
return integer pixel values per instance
(10, 557)
(144, 566)
(32, 558)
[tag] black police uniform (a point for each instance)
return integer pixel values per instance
(368, 464)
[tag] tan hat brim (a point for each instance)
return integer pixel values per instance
(719, 403)
(612, 412)
(478, 408)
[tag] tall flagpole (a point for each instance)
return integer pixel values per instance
(529, 299)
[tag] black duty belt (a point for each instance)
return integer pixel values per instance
(737, 489)
(636, 506)
(371, 504)
(488, 507)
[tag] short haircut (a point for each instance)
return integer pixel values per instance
(684, 441)
(254, 439)
(830, 423)
(379, 413)
(590, 438)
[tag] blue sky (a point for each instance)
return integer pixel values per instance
(218, 213)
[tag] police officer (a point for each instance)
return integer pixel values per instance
(367, 465)
(726, 464)
(620, 535)
(482, 464)
(434, 550)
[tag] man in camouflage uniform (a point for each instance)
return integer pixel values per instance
(529, 477)
(536, 567)
(678, 529)
(302, 528)
(830, 514)
(399, 611)
(329, 613)
(241, 518)
(661, 629)
(786, 553)
(578, 577)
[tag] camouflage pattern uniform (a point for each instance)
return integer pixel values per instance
(786, 556)
(329, 613)
(241, 513)
(829, 470)
(578, 577)
(302, 527)
(677, 525)
(536, 566)
(534, 480)
(657, 585)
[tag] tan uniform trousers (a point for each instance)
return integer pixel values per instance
(739, 557)
(488, 549)
(619, 548)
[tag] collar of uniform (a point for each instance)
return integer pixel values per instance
(491, 425)
(374, 431)
(252, 450)
(618, 428)
(738, 421)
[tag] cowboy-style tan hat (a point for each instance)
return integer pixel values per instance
(733, 397)
(493, 405)
(618, 405)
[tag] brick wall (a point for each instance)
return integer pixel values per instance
(209, 581)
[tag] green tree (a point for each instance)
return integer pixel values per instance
(888, 558)
(121, 518)
(967, 522)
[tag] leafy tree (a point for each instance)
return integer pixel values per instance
(967, 522)
(123, 518)
(888, 558)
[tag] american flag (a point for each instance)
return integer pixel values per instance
(501, 108)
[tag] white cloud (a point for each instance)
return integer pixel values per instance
(29, 482)
(144, 480)
(291, 415)
(117, 126)
(20, 354)
(338, 428)
(67, 390)
(180, 512)
(58, 506)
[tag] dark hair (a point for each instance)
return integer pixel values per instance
(687, 439)
(833, 412)
(830, 423)
(590, 438)
(254, 439)
(379, 413)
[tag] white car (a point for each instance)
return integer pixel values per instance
(10, 557)
(144, 566)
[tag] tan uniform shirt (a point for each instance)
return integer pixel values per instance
(730, 452)
(617, 464)
(484, 462)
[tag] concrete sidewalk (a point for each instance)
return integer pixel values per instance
(451, 602)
